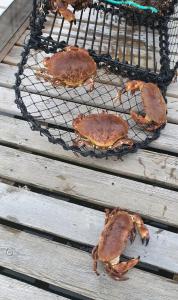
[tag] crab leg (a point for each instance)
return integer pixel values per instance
(61, 7)
(95, 258)
(144, 121)
(107, 215)
(117, 271)
(139, 119)
(142, 229)
(123, 141)
(132, 235)
(154, 127)
(90, 83)
(67, 14)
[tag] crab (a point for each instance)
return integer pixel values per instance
(154, 105)
(101, 131)
(119, 227)
(72, 67)
(61, 6)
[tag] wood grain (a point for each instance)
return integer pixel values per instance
(7, 79)
(8, 29)
(149, 166)
(7, 105)
(12, 289)
(88, 185)
(71, 269)
(81, 224)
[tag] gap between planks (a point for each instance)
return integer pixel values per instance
(71, 269)
(10, 70)
(82, 225)
(89, 186)
(7, 79)
(146, 165)
(12, 289)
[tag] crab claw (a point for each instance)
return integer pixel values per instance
(95, 258)
(142, 229)
(145, 240)
(132, 235)
(67, 14)
(117, 271)
(133, 86)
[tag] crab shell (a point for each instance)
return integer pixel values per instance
(114, 237)
(155, 108)
(154, 104)
(77, 4)
(119, 226)
(71, 67)
(61, 6)
(80, 4)
(102, 130)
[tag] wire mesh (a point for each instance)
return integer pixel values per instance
(140, 46)
(150, 8)
(51, 110)
(173, 39)
(105, 32)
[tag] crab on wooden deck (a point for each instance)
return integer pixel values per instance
(153, 102)
(101, 131)
(72, 67)
(119, 226)
(61, 6)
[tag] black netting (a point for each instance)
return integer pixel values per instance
(124, 44)
(140, 46)
(52, 109)
(173, 39)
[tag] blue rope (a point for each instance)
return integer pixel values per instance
(131, 3)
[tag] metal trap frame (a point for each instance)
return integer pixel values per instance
(118, 30)
(50, 110)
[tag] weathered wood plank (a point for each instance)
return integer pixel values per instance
(88, 185)
(1, 11)
(17, 12)
(55, 93)
(12, 289)
(147, 165)
(168, 140)
(135, 61)
(13, 56)
(6, 3)
(72, 269)
(81, 224)
(141, 36)
(7, 79)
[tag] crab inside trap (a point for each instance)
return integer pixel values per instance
(51, 110)
(145, 48)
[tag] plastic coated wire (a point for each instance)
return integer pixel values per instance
(51, 110)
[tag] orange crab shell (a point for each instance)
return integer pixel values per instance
(77, 4)
(119, 227)
(61, 6)
(102, 130)
(155, 108)
(154, 104)
(71, 67)
(115, 230)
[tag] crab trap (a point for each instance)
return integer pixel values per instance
(122, 51)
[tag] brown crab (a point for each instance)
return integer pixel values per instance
(153, 102)
(72, 67)
(101, 131)
(119, 226)
(61, 6)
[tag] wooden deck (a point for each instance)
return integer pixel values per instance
(4, 5)
(52, 203)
